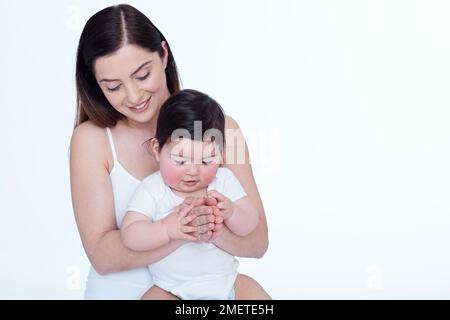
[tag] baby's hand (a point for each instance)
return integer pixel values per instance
(177, 222)
(204, 216)
(225, 205)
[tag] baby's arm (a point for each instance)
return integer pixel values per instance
(241, 217)
(140, 233)
(244, 218)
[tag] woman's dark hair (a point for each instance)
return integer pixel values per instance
(104, 33)
(182, 109)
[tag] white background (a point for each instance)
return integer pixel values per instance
(345, 106)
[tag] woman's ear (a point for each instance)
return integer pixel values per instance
(154, 147)
(166, 53)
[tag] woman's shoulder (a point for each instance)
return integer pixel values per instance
(230, 123)
(88, 128)
(88, 137)
(88, 132)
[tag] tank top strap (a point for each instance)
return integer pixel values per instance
(111, 143)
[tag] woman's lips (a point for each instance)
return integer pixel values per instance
(141, 107)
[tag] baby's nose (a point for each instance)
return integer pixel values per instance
(193, 169)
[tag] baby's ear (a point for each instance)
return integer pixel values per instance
(154, 147)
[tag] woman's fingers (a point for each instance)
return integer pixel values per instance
(182, 206)
(184, 210)
(205, 228)
(202, 210)
(194, 201)
(188, 219)
(203, 219)
(200, 218)
(189, 200)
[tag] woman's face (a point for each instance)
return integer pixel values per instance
(133, 80)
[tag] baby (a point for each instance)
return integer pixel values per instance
(188, 145)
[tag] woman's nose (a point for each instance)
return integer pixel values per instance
(134, 95)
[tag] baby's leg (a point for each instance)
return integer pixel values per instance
(246, 288)
(156, 293)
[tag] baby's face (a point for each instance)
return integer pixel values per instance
(189, 165)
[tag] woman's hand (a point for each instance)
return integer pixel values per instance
(205, 216)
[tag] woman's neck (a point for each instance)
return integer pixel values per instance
(147, 129)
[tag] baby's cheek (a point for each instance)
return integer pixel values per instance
(208, 174)
(171, 175)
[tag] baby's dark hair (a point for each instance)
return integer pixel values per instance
(182, 110)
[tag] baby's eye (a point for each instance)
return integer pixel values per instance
(206, 162)
(179, 162)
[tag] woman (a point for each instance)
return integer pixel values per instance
(125, 70)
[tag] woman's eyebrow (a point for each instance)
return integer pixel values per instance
(142, 65)
(137, 70)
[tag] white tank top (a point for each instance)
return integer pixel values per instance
(131, 284)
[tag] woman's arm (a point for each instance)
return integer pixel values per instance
(92, 199)
(236, 158)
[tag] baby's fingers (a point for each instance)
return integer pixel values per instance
(218, 219)
(189, 237)
(210, 200)
(222, 205)
(187, 219)
(216, 210)
(217, 195)
(188, 229)
(204, 237)
(217, 227)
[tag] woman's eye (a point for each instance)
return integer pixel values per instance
(143, 77)
(114, 89)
